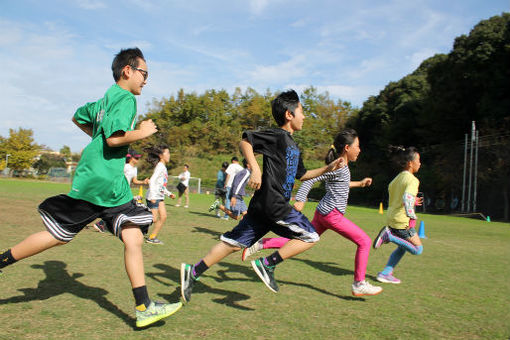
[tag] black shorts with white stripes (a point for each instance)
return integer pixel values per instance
(64, 217)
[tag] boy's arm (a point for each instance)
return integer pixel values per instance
(87, 128)
(256, 174)
(121, 138)
(336, 164)
(365, 182)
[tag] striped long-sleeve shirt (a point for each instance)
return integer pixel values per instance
(337, 190)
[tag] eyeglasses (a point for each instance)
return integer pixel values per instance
(144, 73)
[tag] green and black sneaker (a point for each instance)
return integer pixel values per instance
(266, 274)
(187, 281)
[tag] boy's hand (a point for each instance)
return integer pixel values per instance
(233, 202)
(366, 182)
(255, 179)
(146, 181)
(148, 127)
(299, 205)
(336, 164)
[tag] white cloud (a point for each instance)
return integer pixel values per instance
(258, 6)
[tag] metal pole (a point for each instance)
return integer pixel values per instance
(463, 202)
(470, 166)
(476, 171)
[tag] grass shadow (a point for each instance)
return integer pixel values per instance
(227, 297)
(204, 214)
(214, 233)
(58, 281)
(330, 267)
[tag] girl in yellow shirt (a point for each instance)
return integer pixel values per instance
(401, 217)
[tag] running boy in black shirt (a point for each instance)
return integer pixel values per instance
(269, 209)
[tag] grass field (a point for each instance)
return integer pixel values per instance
(459, 288)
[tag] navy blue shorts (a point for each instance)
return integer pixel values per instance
(249, 230)
(64, 216)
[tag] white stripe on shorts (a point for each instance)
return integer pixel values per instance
(55, 229)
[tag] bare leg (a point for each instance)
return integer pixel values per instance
(218, 253)
(294, 247)
(158, 222)
(34, 244)
(133, 258)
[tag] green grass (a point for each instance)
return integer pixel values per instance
(459, 288)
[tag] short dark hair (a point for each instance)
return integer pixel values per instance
(125, 57)
(187, 166)
(224, 165)
(245, 163)
(234, 159)
(285, 101)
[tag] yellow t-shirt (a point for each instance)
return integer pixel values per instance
(404, 182)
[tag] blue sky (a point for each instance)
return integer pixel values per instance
(56, 55)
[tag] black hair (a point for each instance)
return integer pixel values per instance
(285, 101)
(153, 153)
(245, 163)
(187, 166)
(125, 57)
(345, 137)
(234, 159)
(402, 155)
(224, 165)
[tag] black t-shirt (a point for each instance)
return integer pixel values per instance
(282, 165)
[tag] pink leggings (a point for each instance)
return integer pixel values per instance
(336, 221)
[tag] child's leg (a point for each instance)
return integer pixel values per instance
(343, 226)
(32, 245)
(186, 192)
(394, 259)
(133, 239)
(412, 244)
(158, 224)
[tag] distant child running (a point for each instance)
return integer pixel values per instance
(183, 186)
(331, 209)
(159, 156)
(99, 188)
(220, 192)
(269, 208)
(401, 217)
(237, 206)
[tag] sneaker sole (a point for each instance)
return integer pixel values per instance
(261, 276)
(160, 243)
(244, 256)
(377, 240)
(366, 294)
(387, 281)
(183, 270)
(148, 322)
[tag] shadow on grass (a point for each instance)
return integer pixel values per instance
(331, 268)
(59, 281)
(229, 273)
(230, 298)
(214, 233)
(204, 214)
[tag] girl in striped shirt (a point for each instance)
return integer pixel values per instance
(330, 211)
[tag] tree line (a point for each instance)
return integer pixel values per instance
(431, 108)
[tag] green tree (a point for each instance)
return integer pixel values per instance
(20, 147)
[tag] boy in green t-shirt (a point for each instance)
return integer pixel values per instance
(100, 189)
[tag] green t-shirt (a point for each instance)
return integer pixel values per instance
(99, 176)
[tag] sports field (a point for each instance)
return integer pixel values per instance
(459, 288)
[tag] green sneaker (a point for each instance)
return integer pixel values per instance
(265, 273)
(155, 312)
(187, 281)
(215, 205)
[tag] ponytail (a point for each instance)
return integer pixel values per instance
(345, 137)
